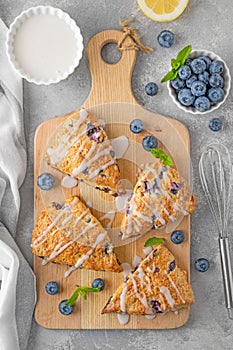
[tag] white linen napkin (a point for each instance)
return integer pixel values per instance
(17, 286)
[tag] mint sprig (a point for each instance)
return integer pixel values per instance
(153, 240)
(164, 158)
(82, 291)
(176, 63)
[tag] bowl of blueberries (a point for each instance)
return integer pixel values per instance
(203, 83)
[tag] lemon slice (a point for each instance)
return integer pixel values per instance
(162, 10)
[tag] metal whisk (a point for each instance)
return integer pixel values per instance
(215, 170)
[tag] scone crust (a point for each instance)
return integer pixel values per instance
(155, 268)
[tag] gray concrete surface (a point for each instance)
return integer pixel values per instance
(205, 24)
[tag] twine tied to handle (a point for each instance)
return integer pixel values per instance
(130, 30)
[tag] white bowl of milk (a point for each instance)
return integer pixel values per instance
(44, 45)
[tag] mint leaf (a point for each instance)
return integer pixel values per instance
(73, 298)
(175, 64)
(183, 54)
(154, 240)
(81, 291)
(164, 158)
(171, 75)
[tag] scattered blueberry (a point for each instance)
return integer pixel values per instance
(149, 142)
(215, 124)
(45, 181)
(216, 80)
(177, 236)
(65, 309)
(207, 61)
(98, 282)
(185, 97)
(166, 39)
(216, 94)
(175, 187)
(198, 66)
(191, 80)
(52, 288)
(198, 88)
(216, 67)
(136, 126)
(202, 265)
(184, 72)
(202, 104)
(178, 84)
(57, 206)
(151, 89)
(204, 77)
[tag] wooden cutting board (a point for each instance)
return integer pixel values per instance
(112, 100)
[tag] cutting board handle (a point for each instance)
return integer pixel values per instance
(110, 82)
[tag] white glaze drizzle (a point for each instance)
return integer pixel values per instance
(147, 250)
(81, 260)
(167, 294)
(136, 260)
(120, 146)
(123, 318)
(122, 199)
(150, 317)
(175, 287)
(69, 182)
(110, 216)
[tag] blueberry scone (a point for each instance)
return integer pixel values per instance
(156, 286)
(81, 149)
(160, 195)
(69, 234)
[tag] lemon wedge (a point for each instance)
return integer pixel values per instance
(162, 10)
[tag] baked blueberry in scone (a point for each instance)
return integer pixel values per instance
(157, 285)
(160, 195)
(69, 234)
(81, 148)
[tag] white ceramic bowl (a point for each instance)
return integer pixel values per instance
(227, 84)
(64, 34)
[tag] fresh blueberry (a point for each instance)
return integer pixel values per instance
(185, 97)
(188, 61)
(191, 80)
(52, 288)
(215, 94)
(202, 104)
(198, 88)
(149, 142)
(177, 236)
(166, 39)
(184, 72)
(151, 89)
(64, 308)
(155, 305)
(45, 181)
(216, 67)
(98, 282)
(215, 124)
(178, 84)
(216, 80)
(202, 265)
(198, 66)
(136, 126)
(207, 60)
(204, 77)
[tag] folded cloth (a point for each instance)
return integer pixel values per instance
(17, 296)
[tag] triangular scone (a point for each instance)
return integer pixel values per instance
(81, 148)
(70, 234)
(158, 285)
(160, 195)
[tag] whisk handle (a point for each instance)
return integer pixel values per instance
(227, 274)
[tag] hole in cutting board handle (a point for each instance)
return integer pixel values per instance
(110, 53)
